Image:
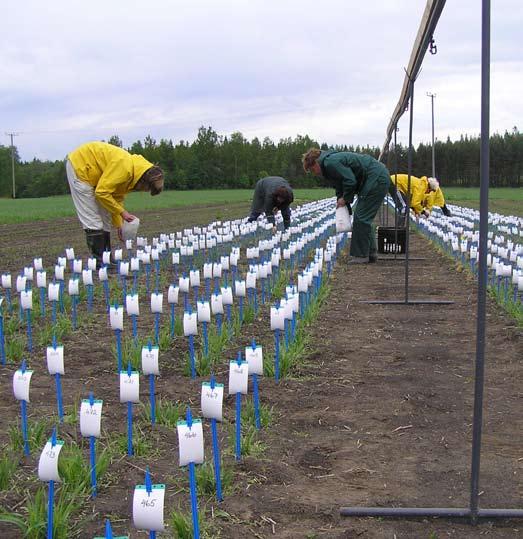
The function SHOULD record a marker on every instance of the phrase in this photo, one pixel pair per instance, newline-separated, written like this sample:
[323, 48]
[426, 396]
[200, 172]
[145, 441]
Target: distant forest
[213, 161]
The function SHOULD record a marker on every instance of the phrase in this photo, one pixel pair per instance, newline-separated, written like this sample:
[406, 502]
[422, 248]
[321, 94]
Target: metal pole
[409, 172]
[432, 96]
[482, 276]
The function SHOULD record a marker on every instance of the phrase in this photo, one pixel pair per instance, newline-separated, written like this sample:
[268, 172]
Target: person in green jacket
[271, 194]
[354, 174]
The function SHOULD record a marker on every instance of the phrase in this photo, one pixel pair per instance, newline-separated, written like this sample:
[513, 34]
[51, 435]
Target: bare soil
[379, 413]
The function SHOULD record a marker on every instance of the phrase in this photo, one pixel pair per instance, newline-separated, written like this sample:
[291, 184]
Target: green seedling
[37, 432]
[142, 445]
[8, 466]
[248, 417]
[180, 524]
[167, 412]
[251, 445]
[206, 483]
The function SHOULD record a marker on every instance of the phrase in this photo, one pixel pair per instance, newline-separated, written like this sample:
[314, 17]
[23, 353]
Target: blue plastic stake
[73, 303]
[118, 334]
[9, 302]
[58, 381]
[134, 320]
[124, 288]
[152, 392]
[149, 489]
[23, 405]
[219, 323]
[256, 397]
[191, 356]
[157, 328]
[192, 483]
[147, 277]
[277, 355]
[90, 298]
[239, 419]
[205, 340]
[173, 315]
[2, 339]
[286, 324]
[92, 454]
[50, 503]
[108, 530]
[129, 419]
[228, 309]
[29, 331]
[107, 298]
[61, 295]
[216, 452]
[208, 289]
[241, 309]
[42, 301]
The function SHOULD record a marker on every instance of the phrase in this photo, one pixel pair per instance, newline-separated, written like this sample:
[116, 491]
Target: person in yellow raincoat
[419, 189]
[436, 198]
[100, 175]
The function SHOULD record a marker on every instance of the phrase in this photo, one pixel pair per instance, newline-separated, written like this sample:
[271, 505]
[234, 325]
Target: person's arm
[253, 216]
[345, 180]
[268, 207]
[115, 173]
[286, 214]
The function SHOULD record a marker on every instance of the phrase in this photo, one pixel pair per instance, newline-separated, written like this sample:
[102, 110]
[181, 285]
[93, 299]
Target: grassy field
[37, 209]
[507, 201]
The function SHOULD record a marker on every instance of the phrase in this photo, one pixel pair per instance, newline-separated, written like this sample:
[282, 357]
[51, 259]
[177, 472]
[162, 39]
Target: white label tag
[116, 318]
[238, 377]
[150, 360]
[190, 325]
[55, 360]
[27, 299]
[90, 418]
[21, 382]
[156, 302]
[48, 462]
[190, 442]
[148, 508]
[212, 401]
[132, 305]
[254, 357]
[129, 387]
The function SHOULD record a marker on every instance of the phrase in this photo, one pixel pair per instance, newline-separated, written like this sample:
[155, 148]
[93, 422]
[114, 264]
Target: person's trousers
[363, 242]
[90, 213]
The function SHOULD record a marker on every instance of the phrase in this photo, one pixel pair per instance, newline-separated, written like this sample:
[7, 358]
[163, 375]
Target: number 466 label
[148, 508]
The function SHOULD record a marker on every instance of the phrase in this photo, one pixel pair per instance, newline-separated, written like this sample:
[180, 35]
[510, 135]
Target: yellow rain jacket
[418, 189]
[112, 171]
[434, 198]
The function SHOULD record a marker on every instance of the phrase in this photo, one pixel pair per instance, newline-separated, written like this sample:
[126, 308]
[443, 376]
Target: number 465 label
[148, 508]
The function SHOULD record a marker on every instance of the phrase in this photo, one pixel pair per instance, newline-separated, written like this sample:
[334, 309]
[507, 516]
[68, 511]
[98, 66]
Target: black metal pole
[409, 172]
[482, 276]
[432, 96]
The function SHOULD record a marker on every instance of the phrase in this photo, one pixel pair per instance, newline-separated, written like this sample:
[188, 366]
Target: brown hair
[151, 180]
[309, 158]
[284, 194]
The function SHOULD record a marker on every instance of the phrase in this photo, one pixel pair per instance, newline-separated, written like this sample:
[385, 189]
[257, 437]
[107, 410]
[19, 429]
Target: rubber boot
[95, 243]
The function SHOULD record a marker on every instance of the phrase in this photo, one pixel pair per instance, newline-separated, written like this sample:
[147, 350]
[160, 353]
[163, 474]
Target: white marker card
[124, 269]
[132, 304]
[129, 387]
[190, 324]
[77, 266]
[239, 288]
[53, 292]
[21, 382]
[91, 264]
[190, 442]
[62, 261]
[26, 299]
[116, 318]
[254, 357]
[156, 302]
[6, 280]
[69, 253]
[59, 273]
[73, 288]
[48, 462]
[106, 257]
[28, 273]
[87, 277]
[238, 377]
[212, 401]
[150, 360]
[37, 263]
[55, 359]
[41, 279]
[148, 508]
[91, 418]
[204, 311]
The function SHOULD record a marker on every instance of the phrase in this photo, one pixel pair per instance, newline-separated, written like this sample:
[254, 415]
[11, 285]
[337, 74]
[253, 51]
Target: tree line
[213, 161]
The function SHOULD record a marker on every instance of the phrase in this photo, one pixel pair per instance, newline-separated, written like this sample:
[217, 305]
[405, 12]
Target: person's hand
[120, 235]
[274, 229]
[425, 213]
[126, 216]
[340, 202]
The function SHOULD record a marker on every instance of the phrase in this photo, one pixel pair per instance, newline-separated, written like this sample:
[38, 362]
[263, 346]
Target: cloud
[80, 71]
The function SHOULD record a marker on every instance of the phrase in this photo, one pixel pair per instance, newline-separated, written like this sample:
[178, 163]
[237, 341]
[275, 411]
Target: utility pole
[12, 135]
[432, 96]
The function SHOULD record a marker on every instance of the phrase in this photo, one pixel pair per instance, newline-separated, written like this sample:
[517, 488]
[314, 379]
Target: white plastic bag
[343, 219]
[130, 229]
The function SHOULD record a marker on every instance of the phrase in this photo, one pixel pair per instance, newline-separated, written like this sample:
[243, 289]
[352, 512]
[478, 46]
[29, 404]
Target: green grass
[36, 209]
[505, 200]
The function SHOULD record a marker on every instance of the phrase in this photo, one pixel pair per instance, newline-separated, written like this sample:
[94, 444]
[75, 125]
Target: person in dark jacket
[271, 194]
[354, 174]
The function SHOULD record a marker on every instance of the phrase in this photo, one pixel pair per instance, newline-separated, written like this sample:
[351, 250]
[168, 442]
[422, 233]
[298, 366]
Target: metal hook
[433, 49]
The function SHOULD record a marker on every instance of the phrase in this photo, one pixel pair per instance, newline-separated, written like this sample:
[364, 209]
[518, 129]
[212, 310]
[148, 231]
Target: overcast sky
[73, 71]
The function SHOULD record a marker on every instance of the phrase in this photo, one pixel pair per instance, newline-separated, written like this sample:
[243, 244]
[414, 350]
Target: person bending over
[271, 194]
[354, 174]
[100, 175]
